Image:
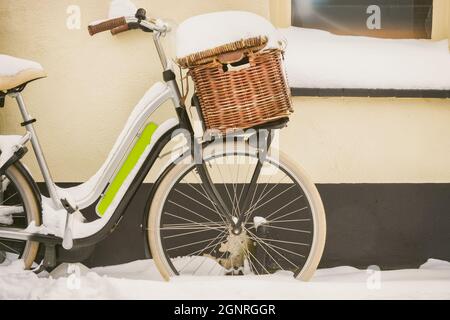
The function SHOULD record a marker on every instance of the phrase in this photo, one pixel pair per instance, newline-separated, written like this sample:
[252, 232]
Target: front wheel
[283, 228]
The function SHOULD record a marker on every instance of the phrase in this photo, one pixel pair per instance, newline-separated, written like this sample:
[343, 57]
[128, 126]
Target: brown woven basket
[239, 85]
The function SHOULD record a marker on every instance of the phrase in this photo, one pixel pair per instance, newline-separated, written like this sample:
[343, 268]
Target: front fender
[27, 175]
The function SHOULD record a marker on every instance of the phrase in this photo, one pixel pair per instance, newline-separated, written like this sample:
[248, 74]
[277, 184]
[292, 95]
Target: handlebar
[139, 21]
[122, 24]
[120, 29]
[107, 25]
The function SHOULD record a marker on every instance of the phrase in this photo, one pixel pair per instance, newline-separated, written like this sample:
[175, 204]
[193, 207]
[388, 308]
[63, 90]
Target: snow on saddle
[15, 72]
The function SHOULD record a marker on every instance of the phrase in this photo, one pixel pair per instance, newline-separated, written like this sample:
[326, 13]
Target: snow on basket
[236, 61]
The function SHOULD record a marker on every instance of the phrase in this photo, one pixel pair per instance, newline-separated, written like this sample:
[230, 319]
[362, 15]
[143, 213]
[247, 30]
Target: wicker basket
[240, 85]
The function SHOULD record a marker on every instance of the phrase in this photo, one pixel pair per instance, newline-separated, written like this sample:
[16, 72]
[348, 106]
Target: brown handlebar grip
[107, 25]
[120, 29]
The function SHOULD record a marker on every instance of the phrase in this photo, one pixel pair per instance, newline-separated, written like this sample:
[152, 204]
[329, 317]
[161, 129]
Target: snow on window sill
[319, 63]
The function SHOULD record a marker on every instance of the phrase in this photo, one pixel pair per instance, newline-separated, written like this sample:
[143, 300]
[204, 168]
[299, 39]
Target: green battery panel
[126, 168]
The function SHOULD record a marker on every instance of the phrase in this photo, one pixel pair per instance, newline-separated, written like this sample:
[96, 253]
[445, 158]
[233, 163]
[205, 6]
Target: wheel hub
[233, 251]
[237, 231]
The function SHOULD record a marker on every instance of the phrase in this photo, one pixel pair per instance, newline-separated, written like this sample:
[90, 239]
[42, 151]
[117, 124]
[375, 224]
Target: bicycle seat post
[28, 124]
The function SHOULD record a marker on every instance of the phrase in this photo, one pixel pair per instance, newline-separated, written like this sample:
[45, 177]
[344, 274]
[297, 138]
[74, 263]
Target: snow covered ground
[141, 280]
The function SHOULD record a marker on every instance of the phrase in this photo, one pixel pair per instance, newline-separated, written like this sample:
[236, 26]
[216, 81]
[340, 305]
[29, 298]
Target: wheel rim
[281, 240]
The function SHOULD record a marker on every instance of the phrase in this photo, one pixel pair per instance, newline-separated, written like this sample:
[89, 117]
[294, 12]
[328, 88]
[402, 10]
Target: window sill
[370, 93]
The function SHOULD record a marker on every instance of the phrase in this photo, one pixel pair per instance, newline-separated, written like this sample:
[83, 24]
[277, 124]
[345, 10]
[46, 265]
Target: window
[375, 18]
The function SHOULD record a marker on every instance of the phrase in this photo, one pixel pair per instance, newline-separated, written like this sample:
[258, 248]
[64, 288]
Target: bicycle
[215, 208]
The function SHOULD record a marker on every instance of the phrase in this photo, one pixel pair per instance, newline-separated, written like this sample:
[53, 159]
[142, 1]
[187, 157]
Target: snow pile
[141, 280]
[10, 66]
[319, 59]
[121, 8]
[258, 221]
[8, 146]
[54, 221]
[215, 29]
[7, 212]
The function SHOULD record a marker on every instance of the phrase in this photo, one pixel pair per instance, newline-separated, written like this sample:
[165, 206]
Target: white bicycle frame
[87, 193]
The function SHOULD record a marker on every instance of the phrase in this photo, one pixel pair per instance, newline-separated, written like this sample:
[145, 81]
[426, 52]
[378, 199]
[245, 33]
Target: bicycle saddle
[15, 72]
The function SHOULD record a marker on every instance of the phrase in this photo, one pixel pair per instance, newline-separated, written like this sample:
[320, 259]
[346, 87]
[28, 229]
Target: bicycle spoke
[221, 256]
[256, 259]
[203, 195]
[192, 226]
[261, 195]
[188, 233]
[279, 194]
[284, 206]
[205, 259]
[275, 246]
[260, 242]
[234, 186]
[289, 213]
[186, 224]
[272, 246]
[293, 220]
[212, 202]
[288, 229]
[10, 197]
[226, 189]
[217, 264]
[221, 235]
[212, 244]
[10, 248]
[185, 219]
[188, 244]
[252, 209]
[285, 241]
[243, 188]
[246, 257]
[250, 263]
[191, 211]
[196, 201]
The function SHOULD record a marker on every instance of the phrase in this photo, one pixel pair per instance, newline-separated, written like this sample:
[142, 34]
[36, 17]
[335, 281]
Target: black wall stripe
[374, 93]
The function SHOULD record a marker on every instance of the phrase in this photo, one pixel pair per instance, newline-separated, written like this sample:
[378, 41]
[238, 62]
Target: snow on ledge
[319, 59]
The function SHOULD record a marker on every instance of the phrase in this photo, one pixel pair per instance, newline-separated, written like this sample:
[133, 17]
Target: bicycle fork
[214, 194]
